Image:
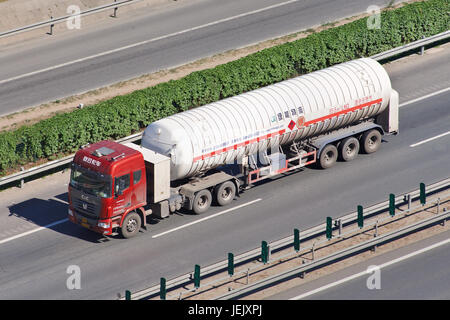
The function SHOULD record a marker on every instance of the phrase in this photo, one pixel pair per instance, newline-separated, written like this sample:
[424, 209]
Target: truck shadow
[51, 214]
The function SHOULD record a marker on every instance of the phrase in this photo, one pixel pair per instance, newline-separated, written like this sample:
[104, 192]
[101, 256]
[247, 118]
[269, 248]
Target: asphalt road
[418, 271]
[34, 265]
[78, 61]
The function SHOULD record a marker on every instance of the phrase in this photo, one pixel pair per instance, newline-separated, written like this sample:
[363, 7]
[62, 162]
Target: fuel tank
[221, 132]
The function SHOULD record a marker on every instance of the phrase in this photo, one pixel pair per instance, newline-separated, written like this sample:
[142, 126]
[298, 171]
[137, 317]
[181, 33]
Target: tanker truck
[208, 155]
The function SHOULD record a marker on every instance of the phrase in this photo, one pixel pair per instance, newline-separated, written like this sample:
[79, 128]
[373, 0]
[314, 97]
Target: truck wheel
[224, 193]
[131, 225]
[348, 149]
[371, 141]
[328, 156]
[202, 201]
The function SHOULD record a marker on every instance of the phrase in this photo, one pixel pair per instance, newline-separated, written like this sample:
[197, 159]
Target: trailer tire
[202, 201]
[131, 225]
[328, 156]
[224, 193]
[371, 141]
[348, 149]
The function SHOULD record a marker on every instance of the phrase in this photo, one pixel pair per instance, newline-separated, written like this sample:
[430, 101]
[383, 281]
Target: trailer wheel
[371, 141]
[348, 149]
[224, 193]
[328, 156]
[202, 201]
[131, 225]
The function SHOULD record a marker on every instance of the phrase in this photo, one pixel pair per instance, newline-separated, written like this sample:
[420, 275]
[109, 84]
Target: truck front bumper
[100, 226]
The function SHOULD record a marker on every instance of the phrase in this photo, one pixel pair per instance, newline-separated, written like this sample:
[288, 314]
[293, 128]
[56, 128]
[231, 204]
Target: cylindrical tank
[229, 129]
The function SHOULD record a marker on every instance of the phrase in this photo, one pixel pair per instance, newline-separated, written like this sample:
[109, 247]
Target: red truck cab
[107, 190]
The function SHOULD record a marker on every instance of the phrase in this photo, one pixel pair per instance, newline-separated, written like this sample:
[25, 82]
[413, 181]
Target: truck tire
[224, 193]
[348, 149]
[328, 156]
[202, 201]
[371, 141]
[131, 225]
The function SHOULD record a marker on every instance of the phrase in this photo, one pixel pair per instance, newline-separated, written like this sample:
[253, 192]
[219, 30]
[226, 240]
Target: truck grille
[85, 207]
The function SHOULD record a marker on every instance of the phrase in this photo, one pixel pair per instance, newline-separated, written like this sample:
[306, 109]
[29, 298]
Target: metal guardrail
[308, 234]
[412, 46]
[333, 257]
[115, 5]
[19, 177]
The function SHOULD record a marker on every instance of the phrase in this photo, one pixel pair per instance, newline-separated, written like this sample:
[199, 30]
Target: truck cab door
[122, 194]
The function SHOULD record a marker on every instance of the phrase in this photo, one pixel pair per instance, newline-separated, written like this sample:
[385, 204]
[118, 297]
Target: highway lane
[34, 266]
[170, 37]
[418, 271]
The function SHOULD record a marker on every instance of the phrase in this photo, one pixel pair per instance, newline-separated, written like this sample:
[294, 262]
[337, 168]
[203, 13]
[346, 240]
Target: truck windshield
[90, 182]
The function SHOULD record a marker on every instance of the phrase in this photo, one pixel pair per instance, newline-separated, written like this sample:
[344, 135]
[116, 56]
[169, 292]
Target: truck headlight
[103, 225]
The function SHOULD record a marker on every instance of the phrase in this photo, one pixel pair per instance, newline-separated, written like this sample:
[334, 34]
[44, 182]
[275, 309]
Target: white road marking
[155, 236]
[206, 218]
[430, 139]
[424, 97]
[336, 283]
[148, 41]
[33, 231]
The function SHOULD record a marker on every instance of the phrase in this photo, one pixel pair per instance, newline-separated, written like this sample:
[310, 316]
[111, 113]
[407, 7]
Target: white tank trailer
[214, 152]
[305, 112]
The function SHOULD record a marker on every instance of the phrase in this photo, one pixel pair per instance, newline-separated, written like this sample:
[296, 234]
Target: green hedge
[124, 115]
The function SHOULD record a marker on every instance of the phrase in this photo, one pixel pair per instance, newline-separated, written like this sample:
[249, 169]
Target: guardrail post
[115, 11]
[197, 276]
[296, 240]
[162, 290]
[339, 223]
[329, 230]
[51, 26]
[423, 197]
[360, 217]
[376, 229]
[230, 264]
[438, 205]
[127, 295]
[392, 204]
[264, 252]
[22, 181]
[422, 48]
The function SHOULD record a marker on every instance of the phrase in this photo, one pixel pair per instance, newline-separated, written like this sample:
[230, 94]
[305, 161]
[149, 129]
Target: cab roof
[104, 154]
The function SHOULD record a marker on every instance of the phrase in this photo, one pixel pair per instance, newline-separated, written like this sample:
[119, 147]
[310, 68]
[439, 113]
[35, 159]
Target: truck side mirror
[118, 190]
